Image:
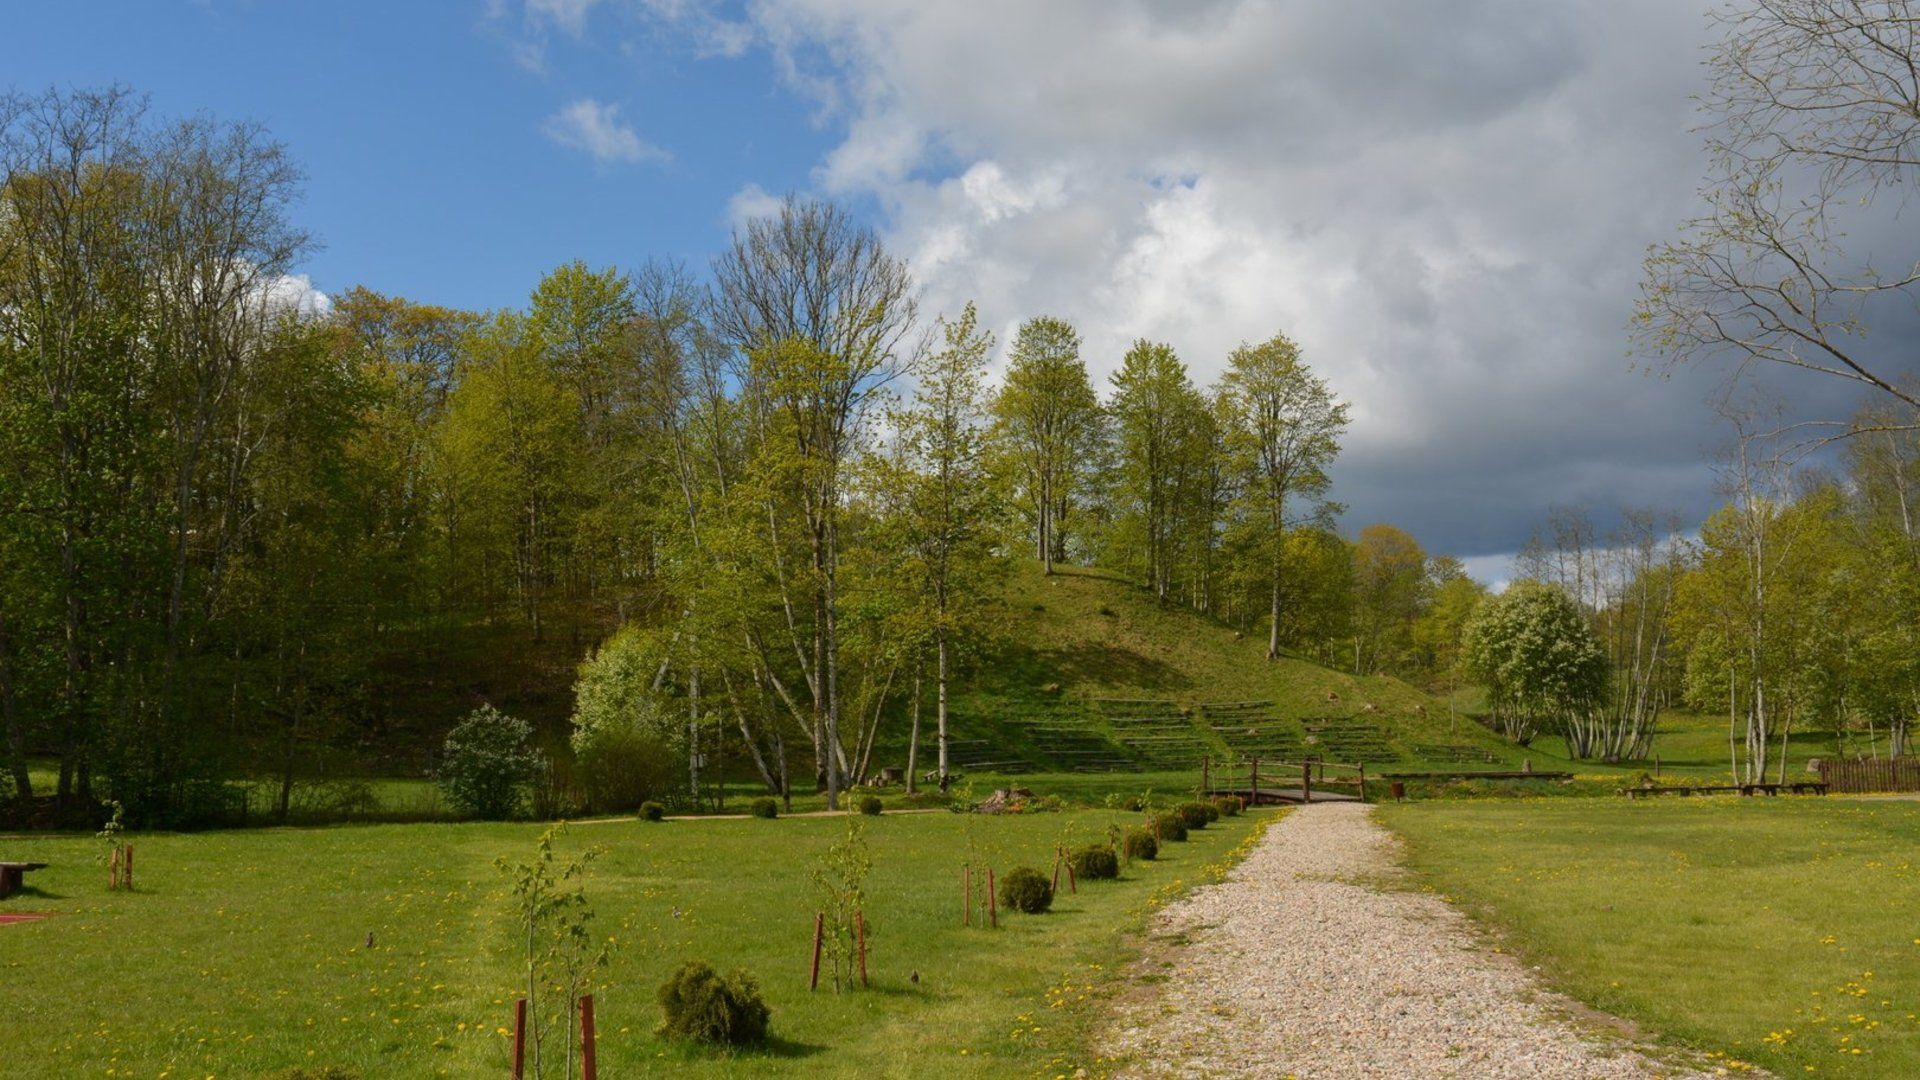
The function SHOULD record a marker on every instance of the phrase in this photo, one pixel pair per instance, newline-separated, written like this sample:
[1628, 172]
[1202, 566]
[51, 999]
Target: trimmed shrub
[765, 806]
[486, 765]
[1026, 889]
[652, 811]
[1095, 863]
[1140, 844]
[1171, 827]
[703, 1006]
[1197, 815]
[1229, 805]
[871, 805]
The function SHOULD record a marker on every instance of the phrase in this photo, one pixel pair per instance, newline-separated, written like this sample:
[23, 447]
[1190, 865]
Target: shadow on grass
[1107, 664]
[29, 892]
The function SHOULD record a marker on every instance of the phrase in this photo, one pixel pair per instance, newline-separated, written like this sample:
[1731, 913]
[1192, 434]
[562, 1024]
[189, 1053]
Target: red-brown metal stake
[589, 1070]
[819, 935]
[860, 921]
[519, 1038]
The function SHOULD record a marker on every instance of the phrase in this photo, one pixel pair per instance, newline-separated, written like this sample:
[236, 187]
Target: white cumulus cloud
[596, 128]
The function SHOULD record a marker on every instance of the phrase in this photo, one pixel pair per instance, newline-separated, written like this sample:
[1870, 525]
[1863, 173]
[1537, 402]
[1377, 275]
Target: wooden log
[819, 939]
[589, 1067]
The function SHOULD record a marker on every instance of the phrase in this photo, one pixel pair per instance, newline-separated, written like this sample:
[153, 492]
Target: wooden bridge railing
[1281, 778]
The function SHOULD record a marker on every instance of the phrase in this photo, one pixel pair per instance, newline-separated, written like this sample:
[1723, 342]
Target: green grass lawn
[244, 952]
[1780, 932]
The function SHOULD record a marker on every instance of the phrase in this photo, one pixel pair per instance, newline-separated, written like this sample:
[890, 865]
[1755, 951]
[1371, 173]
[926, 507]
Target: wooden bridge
[1276, 783]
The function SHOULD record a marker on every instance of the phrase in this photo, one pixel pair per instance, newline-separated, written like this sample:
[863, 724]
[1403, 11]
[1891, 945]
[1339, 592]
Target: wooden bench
[12, 872]
[1801, 787]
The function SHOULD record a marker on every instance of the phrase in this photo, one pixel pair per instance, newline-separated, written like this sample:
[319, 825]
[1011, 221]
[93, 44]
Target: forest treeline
[231, 516]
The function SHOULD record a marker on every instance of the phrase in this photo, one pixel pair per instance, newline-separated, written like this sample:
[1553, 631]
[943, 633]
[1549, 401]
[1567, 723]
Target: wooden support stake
[113, 870]
[1306, 781]
[1253, 793]
[966, 896]
[819, 938]
[1363, 781]
[1056, 869]
[519, 1038]
[589, 1069]
[993, 902]
[1206, 781]
[860, 921]
[126, 869]
[1072, 886]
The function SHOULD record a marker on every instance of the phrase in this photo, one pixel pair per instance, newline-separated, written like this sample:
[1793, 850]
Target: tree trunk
[940, 708]
[10, 719]
[913, 739]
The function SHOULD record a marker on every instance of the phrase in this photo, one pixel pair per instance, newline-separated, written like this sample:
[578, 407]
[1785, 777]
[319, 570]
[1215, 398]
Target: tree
[1163, 435]
[1047, 422]
[822, 312]
[1813, 120]
[1389, 593]
[942, 515]
[1283, 430]
[1542, 667]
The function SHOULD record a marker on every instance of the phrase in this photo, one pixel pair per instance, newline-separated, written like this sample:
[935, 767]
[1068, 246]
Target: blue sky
[423, 129]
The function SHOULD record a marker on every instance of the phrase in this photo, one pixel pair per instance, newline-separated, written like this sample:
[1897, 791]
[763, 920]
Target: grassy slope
[1767, 929]
[1084, 634]
[244, 952]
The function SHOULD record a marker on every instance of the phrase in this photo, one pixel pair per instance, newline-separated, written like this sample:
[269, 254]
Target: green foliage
[652, 811]
[1026, 889]
[320, 1072]
[764, 807]
[1140, 844]
[1535, 652]
[621, 769]
[1197, 815]
[486, 764]
[559, 952]
[841, 879]
[1096, 862]
[871, 805]
[702, 1006]
[1168, 827]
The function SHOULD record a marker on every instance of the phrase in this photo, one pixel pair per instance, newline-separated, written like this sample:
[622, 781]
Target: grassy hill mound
[1094, 675]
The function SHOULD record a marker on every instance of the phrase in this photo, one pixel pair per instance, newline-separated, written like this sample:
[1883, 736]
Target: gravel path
[1297, 966]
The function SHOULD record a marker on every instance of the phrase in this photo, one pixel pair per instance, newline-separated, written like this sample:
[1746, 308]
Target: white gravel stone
[1298, 964]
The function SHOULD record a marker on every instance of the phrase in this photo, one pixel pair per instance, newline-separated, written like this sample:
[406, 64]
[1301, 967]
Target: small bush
[1140, 844]
[652, 811]
[1229, 805]
[486, 765]
[1197, 815]
[1171, 827]
[620, 768]
[871, 805]
[703, 1006]
[765, 807]
[1026, 889]
[1095, 863]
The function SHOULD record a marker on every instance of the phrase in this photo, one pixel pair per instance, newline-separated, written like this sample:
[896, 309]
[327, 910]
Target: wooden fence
[1870, 774]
